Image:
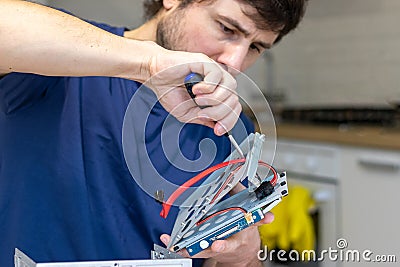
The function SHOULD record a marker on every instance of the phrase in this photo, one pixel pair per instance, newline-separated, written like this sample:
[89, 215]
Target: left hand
[239, 249]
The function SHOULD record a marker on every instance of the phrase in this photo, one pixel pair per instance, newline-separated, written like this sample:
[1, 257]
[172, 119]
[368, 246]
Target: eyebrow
[246, 33]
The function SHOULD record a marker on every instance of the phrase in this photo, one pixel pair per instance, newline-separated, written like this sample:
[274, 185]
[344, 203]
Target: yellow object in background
[293, 227]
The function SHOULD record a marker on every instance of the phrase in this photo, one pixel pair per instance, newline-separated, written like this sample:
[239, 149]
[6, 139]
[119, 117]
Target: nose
[233, 56]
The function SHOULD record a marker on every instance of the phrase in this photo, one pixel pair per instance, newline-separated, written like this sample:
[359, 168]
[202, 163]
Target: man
[66, 193]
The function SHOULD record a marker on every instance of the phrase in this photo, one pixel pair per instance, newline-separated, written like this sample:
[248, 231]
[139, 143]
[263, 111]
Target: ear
[170, 4]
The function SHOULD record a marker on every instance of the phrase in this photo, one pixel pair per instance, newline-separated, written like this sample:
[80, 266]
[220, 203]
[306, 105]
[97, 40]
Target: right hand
[104, 54]
[167, 71]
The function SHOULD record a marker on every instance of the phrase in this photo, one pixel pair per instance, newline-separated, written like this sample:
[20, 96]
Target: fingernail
[219, 130]
[164, 240]
[269, 217]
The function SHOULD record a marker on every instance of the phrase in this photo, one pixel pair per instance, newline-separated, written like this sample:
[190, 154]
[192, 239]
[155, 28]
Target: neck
[146, 32]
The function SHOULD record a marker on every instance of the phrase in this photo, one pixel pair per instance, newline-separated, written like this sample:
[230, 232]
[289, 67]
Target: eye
[226, 29]
[255, 48]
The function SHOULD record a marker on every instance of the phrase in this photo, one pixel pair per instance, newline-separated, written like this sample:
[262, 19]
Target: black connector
[264, 190]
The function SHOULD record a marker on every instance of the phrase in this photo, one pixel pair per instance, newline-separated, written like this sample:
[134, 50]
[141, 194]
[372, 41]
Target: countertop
[361, 136]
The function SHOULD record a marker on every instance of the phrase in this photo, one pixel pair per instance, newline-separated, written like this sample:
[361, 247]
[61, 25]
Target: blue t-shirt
[66, 192]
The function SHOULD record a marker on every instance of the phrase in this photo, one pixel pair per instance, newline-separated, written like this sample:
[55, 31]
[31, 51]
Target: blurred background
[334, 88]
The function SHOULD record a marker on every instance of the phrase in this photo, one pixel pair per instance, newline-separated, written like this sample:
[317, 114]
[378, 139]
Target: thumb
[268, 218]
[165, 239]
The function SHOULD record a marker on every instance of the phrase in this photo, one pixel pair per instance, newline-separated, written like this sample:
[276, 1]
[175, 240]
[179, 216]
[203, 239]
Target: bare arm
[41, 40]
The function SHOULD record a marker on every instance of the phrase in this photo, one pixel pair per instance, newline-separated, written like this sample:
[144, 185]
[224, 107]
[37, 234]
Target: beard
[170, 33]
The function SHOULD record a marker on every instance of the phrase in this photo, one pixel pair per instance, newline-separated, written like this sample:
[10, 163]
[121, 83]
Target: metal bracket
[22, 260]
[160, 253]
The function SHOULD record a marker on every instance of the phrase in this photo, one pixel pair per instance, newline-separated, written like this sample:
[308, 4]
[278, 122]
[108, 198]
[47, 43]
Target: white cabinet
[370, 200]
[315, 167]
[364, 189]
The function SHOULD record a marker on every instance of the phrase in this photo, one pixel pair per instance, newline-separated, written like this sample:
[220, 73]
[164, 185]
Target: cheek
[203, 43]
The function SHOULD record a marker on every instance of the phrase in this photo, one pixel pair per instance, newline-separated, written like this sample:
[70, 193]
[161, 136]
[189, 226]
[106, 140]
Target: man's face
[220, 29]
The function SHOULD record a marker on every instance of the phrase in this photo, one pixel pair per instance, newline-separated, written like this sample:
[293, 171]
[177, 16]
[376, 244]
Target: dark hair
[280, 16]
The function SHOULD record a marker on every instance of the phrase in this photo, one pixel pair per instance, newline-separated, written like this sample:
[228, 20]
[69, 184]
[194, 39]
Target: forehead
[234, 7]
[243, 14]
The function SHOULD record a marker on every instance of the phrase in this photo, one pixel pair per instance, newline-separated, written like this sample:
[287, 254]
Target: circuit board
[239, 212]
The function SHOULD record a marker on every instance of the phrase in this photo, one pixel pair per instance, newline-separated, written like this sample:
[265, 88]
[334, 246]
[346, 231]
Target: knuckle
[234, 83]
[239, 109]
[231, 85]
[236, 98]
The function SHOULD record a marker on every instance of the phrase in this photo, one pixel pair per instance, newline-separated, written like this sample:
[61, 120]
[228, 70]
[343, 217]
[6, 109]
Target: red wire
[275, 177]
[219, 212]
[166, 206]
[192, 181]
[273, 182]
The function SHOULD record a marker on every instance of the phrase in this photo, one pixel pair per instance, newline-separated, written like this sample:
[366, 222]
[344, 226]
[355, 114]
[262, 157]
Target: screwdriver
[193, 79]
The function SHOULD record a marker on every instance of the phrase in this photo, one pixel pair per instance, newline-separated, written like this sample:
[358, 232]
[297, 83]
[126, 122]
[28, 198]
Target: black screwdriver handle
[191, 80]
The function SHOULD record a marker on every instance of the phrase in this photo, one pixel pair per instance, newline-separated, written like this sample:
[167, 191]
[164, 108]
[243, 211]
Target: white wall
[43, 2]
[344, 52]
[118, 13]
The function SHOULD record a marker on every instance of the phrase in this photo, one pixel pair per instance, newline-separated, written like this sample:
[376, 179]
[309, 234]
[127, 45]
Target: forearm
[41, 40]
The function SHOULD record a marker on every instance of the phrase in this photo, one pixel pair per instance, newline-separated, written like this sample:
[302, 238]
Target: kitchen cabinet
[314, 167]
[366, 182]
[370, 199]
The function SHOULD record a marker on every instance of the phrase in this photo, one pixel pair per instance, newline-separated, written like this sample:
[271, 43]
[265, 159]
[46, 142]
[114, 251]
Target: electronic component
[203, 218]
[229, 217]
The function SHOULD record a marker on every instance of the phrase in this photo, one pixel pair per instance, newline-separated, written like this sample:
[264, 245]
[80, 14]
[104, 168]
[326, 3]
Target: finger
[209, 84]
[176, 100]
[225, 246]
[204, 65]
[187, 111]
[212, 94]
[226, 116]
[221, 83]
[212, 74]
[206, 122]
[219, 98]
[191, 116]
[268, 218]
[226, 124]
[165, 239]
[219, 246]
